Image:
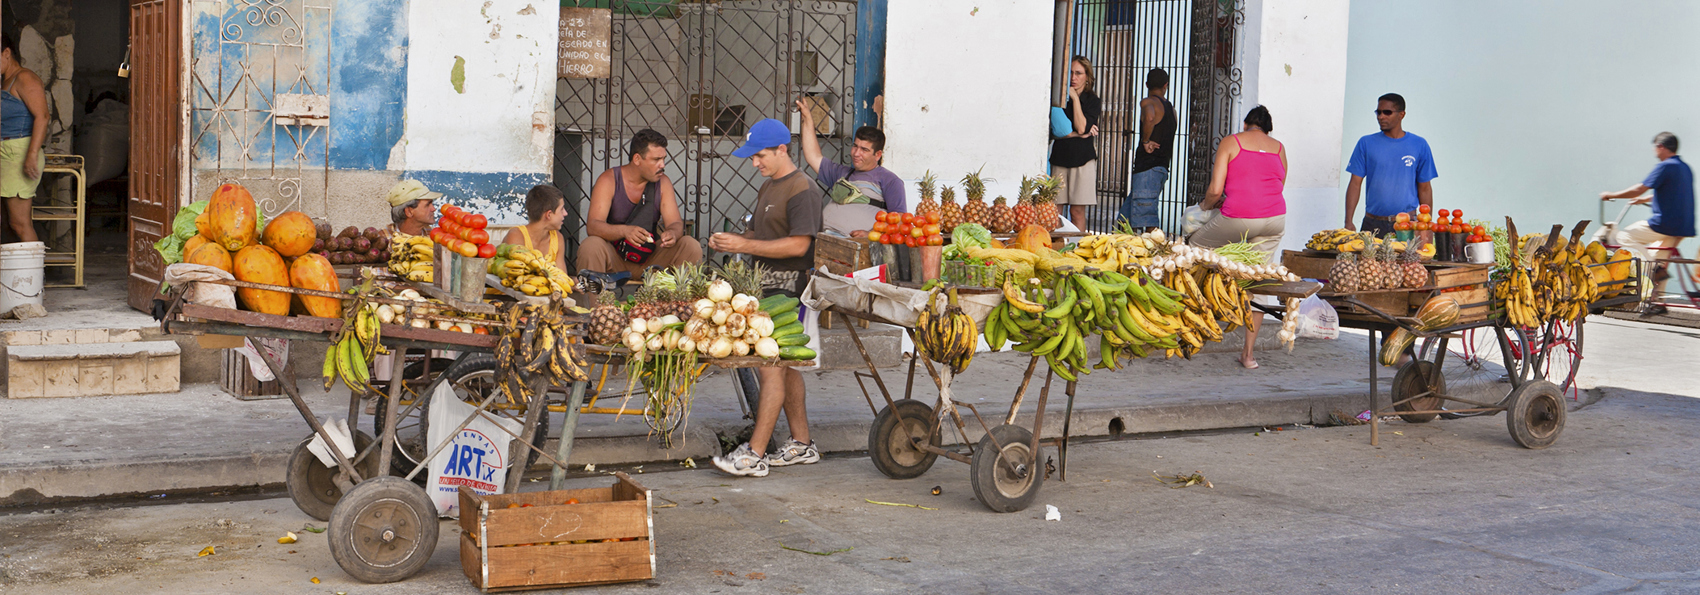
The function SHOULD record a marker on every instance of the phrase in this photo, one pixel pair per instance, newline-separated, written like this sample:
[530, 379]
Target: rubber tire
[312, 485]
[885, 442]
[364, 504]
[1536, 414]
[1411, 379]
[479, 362]
[983, 469]
[401, 461]
[751, 385]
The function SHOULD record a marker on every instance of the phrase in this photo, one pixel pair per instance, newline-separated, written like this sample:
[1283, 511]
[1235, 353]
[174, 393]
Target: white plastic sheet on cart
[477, 457]
[900, 305]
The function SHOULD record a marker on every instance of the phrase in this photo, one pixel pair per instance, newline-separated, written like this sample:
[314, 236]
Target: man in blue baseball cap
[781, 238]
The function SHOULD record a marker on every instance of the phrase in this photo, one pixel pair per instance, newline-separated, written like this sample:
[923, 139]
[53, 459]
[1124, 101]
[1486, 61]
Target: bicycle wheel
[474, 379]
[410, 446]
[1555, 351]
[1477, 368]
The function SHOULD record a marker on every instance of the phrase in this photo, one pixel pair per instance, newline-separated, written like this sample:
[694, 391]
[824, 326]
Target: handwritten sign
[584, 43]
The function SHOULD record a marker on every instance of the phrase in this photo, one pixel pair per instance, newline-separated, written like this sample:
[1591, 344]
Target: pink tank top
[1253, 187]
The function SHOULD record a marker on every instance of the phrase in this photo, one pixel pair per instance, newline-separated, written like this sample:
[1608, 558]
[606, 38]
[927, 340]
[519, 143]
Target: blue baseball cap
[766, 134]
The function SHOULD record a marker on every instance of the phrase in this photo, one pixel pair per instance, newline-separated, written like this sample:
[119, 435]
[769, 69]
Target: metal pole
[1062, 452]
[1374, 387]
[564, 449]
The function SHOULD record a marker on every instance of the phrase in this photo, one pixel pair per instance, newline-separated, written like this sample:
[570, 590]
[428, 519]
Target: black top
[1075, 152]
[1164, 133]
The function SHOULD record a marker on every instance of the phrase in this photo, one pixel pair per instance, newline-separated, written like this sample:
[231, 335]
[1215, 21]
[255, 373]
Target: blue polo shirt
[1391, 168]
[1673, 198]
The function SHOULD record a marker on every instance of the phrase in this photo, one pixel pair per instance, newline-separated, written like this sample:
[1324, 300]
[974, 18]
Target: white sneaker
[793, 453]
[742, 461]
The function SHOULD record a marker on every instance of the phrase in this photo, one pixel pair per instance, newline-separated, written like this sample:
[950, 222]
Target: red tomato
[917, 232]
[933, 217]
[1425, 217]
[879, 224]
[912, 241]
[467, 249]
[1443, 214]
[478, 330]
[1401, 225]
[486, 250]
[1402, 217]
[880, 217]
[1457, 213]
[478, 236]
[1481, 231]
[1424, 226]
[447, 209]
[908, 218]
[436, 235]
[932, 229]
[477, 222]
[1422, 208]
[574, 501]
[1456, 220]
[937, 240]
[449, 226]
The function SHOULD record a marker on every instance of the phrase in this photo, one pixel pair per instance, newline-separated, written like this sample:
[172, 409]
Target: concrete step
[92, 369]
[80, 336]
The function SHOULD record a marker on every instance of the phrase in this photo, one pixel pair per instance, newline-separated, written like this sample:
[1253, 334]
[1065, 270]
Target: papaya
[259, 264]
[194, 242]
[311, 271]
[210, 254]
[230, 218]
[1031, 238]
[290, 234]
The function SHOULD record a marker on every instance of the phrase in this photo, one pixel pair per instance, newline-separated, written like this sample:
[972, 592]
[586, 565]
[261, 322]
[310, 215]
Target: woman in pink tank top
[1246, 184]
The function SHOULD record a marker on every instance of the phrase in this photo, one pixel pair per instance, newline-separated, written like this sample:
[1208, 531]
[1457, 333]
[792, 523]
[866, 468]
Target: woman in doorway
[23, 127]
[1073, 158]
[1246, 184]
[545, 210]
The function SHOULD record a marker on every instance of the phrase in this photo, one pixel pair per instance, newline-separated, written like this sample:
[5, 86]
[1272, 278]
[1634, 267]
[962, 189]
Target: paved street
[1449, 506]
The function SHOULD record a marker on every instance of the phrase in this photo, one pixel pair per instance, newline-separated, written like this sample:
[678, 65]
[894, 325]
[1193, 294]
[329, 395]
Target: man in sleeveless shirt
[634, 220]
[781, 238]
[1151, 158]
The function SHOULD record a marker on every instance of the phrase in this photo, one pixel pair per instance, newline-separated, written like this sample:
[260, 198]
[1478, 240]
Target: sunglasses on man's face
[1383, 112]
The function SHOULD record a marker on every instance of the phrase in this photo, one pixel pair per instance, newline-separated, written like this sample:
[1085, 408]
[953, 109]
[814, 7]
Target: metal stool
[73, 165]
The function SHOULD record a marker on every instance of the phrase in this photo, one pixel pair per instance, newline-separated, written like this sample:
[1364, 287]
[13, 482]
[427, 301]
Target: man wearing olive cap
[410, 207]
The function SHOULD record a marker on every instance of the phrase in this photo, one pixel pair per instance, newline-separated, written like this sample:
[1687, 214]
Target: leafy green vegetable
[182, 228]
[971, 235]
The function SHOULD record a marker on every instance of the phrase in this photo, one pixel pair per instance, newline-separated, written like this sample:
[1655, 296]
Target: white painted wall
[503, 120]
[1295, 65]
[1532, 109]
[965, 86]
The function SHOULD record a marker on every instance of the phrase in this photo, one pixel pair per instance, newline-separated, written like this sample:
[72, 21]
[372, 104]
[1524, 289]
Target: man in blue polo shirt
[1672, 183]
[1398, 165]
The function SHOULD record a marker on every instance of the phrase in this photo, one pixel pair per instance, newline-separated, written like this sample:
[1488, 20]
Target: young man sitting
[634, 220]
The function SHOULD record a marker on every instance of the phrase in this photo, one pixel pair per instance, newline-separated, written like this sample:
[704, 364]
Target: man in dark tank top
[1157, 122]
[633, 222]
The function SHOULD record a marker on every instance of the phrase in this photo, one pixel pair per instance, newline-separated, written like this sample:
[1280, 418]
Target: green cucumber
[774, 305]
[784, 318]
[793, 340]
[795, 328]
[796, 353]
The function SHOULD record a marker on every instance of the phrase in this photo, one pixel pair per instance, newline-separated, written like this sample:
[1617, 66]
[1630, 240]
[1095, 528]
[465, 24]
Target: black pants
[1380, 227]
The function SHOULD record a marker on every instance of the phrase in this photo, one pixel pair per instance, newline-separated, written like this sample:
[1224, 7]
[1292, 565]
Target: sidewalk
[202, 439]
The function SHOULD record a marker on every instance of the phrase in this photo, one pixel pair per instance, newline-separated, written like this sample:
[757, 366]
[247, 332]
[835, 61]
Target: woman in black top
[1074, 160]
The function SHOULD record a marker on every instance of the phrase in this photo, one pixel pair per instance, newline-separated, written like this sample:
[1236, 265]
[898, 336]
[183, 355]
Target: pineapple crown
[1048, 187]
[1027, 186]
[744, 277]
[975, 185]
[948, 194]
[1000, 201]
[692, 281]
[928, 182]
[607, 298]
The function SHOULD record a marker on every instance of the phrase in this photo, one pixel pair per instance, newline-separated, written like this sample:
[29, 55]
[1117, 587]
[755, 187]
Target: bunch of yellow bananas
[411, 256]
[529, 271]
[1557, 284]
[1115, 251]
[538, 339]
[349, 357]
[1332, 239]
[949, 337]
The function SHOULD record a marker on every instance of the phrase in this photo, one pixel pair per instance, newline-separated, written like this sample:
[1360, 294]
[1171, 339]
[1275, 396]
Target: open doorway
[80, 55]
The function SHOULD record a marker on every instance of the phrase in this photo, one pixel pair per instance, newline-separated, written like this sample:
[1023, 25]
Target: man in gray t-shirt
[865, 158]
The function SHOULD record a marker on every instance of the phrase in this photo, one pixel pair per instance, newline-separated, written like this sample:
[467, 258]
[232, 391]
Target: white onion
[669, 320]
[762, 323]
[653, 325]
[703, 345]
[639, 325]
[704, 308]
[697, 328]
[720, 291]
[421, 323]
[740, 348]
[633, 340]
[686, 345]
[443, 325]
[670, 339]
[722, 310]
[744, 304]
[751, 336]
[386, 314]
[767, 347]
[655, 343]
[735, 325]
[722, 347]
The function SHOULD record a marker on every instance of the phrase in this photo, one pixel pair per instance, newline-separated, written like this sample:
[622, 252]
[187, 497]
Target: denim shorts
[1149, 183]
[1140, 207]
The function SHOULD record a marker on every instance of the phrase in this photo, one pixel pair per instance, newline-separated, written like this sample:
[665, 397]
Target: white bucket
[21, 274]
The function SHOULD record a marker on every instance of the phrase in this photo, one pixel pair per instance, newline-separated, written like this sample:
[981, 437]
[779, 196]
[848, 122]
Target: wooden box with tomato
[562, 538]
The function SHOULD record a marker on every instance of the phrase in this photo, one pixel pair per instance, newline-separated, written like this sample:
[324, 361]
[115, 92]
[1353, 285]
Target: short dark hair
[1666, 140]
[6, 42]
[643, 140]
[541, 199]
[1395, 99]
[873, 135]
[1259, 117]
[1156, 78]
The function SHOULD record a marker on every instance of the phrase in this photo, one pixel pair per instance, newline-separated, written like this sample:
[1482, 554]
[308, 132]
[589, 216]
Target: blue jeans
[1140, 207]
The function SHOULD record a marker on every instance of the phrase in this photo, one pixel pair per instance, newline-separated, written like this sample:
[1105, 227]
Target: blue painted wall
[499, 196]
[368, 82]
[870, 59]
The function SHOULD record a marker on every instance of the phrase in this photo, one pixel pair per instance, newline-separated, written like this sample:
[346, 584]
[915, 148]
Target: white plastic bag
[1317, 319]
[344, 439]
[1193, 219]
[477, 457]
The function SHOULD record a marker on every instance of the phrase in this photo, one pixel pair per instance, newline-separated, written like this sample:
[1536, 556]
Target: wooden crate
[1308, 265]
[608, 537]
[841, 256]
[236, 378]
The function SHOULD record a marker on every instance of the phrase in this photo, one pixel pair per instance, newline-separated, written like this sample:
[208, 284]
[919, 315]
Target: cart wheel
[384, 531]
[1002, 488]
[1554, 352]
[888, 445]
[312, 485]
[1535, 415]
[1480, 368]
[1412, 379]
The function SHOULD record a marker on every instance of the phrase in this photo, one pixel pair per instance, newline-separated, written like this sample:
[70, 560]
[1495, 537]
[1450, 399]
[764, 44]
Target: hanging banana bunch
[950, 337]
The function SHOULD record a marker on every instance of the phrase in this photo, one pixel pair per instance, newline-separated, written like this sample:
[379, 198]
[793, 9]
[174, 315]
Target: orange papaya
[290, 234]
[210, 254]
[311, 271]
[231, 218]
[259, 264]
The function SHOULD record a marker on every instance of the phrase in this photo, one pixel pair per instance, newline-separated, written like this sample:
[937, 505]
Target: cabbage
[971, 235]
[182, 228]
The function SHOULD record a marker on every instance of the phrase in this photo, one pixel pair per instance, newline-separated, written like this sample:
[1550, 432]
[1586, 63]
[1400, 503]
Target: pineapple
[650, 302]
[690, 284]
[1343, 277]
[976, 211]
[1002, 218]
[1023, 211]
[1411, 267]
[744, 277]
[1045, 203]
[1374, 271]
[950, 214]
[607, 320]
[928, 205]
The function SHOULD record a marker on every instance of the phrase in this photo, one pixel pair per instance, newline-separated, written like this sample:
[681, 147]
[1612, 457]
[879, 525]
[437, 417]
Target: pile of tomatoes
[907, 229]
[1446, 221]
[463, 233]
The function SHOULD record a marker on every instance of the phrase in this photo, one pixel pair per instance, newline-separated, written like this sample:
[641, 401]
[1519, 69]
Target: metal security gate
[701, 74]
[1194, 41]
[260, 105]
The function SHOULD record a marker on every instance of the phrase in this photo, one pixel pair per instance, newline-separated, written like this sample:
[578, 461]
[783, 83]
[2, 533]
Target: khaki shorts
[1079, 184]
[1263, 234]
[1638, 238]
[13, 182]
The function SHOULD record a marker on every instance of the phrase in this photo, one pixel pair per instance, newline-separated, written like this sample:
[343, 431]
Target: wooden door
[156, 125]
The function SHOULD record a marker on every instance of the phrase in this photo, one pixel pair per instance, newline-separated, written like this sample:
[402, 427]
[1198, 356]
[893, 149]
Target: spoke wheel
[473, 380]
[1415, 378]
[1006, 475]
[1478, 369]
[410, 436]
[312, 485]
[1555, 352]
[889, 439]
[384, 530]
[1536, 414]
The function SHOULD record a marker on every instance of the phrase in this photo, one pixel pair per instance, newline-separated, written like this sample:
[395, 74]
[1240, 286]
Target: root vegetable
[767, 347]
[744, 304]
[735, 325]
[640, 325]
[720, 291]
[722, 346]
[722, 311]
[686, 345]
[704, 308]
[740, 348]
[762, 323]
